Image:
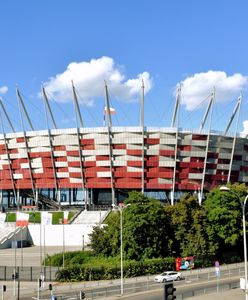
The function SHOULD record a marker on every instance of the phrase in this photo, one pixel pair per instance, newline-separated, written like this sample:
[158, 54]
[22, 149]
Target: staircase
[9, 233]
[44, 201]
[90, 217]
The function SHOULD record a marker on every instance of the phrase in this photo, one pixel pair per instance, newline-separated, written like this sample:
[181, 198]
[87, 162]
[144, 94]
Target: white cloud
[198, 86]
[245, 128]
[88, 78]
[3, 90]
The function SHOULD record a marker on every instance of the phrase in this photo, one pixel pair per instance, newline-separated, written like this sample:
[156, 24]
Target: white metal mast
[207, 112]
[76, 107]
[24, 110]
[6, 115]
[47, 107]
[79, 118]
[21, 105]
[176, 108]
[9, 160]
[109, 125]
[210, 106]
[143, 136]
[238, 107]
[175, 117]
[233, 114]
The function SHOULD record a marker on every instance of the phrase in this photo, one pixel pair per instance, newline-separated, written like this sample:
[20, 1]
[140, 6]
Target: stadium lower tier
[74, 197]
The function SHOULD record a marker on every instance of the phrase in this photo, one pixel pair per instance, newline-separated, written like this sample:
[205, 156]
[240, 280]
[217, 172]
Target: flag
[66, 213]
[46, 218]
[111, 110]
[22, 219]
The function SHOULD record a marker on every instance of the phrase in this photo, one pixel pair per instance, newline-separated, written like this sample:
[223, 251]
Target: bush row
[84, 266]
[106, 272]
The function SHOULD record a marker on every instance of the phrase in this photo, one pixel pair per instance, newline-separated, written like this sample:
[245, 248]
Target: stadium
[98, 166]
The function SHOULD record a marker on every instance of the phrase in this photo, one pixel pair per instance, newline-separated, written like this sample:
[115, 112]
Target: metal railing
[28, 273]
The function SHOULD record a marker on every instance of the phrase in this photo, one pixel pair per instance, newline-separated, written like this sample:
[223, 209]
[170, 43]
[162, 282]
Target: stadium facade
[98, 166]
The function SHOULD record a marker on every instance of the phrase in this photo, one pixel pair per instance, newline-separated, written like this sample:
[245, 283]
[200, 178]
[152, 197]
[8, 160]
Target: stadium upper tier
[125, 158]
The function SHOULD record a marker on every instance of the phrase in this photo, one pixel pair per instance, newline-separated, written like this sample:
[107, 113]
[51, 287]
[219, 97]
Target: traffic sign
[217, 271]
[217, 264]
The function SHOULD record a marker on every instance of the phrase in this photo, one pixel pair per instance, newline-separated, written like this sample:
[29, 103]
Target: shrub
[109, 269]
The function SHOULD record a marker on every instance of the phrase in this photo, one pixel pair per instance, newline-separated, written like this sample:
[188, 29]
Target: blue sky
[51, 42]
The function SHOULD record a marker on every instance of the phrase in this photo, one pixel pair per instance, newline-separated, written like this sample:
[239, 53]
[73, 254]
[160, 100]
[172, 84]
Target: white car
[168, 276]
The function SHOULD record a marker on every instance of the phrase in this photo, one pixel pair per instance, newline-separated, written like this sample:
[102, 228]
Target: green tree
[145, 230]
[187, 218]
[224, 220]
[105, 238]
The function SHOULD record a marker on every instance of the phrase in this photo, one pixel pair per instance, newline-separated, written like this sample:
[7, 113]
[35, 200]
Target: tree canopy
[153, 230]
[188, 222]
[145, 230]
[224, 219]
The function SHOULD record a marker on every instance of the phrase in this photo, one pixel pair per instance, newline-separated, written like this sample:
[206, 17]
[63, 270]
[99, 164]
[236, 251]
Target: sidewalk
[235, 294]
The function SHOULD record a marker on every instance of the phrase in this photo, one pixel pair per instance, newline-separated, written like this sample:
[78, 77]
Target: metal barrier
[28, 273]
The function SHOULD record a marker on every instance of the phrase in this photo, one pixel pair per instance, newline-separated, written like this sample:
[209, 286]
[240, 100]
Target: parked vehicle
[167, 276]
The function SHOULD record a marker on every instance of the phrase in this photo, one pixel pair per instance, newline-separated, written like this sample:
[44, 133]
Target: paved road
[236, 294]
[227, 295]
[31, 257]
[29, 289]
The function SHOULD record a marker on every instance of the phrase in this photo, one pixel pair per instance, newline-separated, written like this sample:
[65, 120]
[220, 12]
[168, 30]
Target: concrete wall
[59, 235]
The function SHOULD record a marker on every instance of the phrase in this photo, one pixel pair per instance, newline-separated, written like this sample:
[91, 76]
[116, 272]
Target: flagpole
[63, 244]
[44, 244]
[22, 248]
[40, 243]
[15, 265]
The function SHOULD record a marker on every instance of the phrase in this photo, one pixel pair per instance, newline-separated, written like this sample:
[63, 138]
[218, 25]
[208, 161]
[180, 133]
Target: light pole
[243, 204]
[83, 242]
[121, 250]
[121, 238]
[63, 243]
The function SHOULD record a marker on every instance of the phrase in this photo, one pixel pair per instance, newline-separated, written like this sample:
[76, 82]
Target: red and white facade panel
[64, 159]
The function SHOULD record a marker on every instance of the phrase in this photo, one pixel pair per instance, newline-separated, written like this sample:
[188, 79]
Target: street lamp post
[243, 204]
[63, 229]
[83, 242]
[121, 240]
[121, 250]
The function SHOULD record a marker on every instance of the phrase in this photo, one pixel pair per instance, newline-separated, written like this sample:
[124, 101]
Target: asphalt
[235, 294]
[31, 257]
[28, 289]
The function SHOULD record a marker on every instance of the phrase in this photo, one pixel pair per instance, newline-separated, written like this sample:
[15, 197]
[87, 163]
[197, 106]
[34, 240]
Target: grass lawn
[35, 217]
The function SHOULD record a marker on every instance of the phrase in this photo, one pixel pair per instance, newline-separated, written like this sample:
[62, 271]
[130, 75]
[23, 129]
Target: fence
[28, 273]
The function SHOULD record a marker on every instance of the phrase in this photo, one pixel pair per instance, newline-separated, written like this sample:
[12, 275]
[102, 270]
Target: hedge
[106, 272]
